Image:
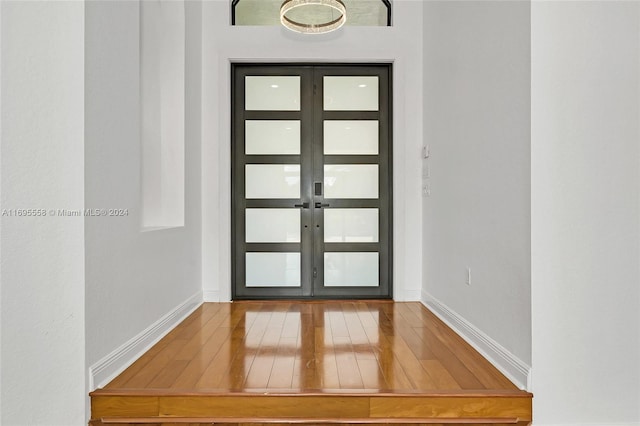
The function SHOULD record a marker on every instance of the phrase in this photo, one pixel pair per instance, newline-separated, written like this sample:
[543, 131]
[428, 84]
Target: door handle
[303, 205]
[321, 205]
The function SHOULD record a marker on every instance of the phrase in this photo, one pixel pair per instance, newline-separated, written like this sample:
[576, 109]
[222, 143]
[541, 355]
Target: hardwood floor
[303, 362]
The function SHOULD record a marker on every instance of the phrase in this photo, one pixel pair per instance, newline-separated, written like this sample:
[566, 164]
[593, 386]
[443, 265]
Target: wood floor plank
[260, 370]
[155, 366]
[338, 324]
[260, 406]
[358, 336]
[384, 322]
[370, 373]
[279, 315]
[455, 407]
[198, 339]
[283, 364]
[197, 366]
[448, 359]
[322, 345]
[140, 363]
[486, 373]
[408, 315]
[136, 368]
[195, 324]
[479, 366]
[238, 315]
[246, 348]
[307, 356]
[392, 371]
[417, 375]
[216, 373]
[327, 366]
[368, 315]
[440, 375]
[168, 375]
[348, 372]
[405, 330]
[291, 326]
[366, 362]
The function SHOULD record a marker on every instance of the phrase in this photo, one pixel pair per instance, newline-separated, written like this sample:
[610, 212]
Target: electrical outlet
[468, 276]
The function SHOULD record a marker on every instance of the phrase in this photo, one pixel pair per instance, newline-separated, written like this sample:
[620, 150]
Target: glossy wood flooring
[347, 362]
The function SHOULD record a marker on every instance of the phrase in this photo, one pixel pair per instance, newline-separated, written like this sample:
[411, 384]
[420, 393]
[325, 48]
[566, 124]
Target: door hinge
[315, 87]
[315, 272]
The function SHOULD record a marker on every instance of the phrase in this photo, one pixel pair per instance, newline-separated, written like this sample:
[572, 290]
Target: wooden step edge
[290, 420]
[264, 393]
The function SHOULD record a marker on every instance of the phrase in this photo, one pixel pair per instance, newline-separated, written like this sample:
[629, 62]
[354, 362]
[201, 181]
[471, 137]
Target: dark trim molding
[234, 3]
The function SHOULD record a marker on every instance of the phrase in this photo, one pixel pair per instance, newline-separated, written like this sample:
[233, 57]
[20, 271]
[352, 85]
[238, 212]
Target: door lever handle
[321, 205]
[303, 205]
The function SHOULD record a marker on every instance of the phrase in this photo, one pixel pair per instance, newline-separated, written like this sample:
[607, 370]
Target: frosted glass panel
[351, 225]
[272, 269]
[351, 93]
[272, 137]
[272, 93]
[351, 137]
[272, 181]
[351, 181]
[351, 269]
[272, 225]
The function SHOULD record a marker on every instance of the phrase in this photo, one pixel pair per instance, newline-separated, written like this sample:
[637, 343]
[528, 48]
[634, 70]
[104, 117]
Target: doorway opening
[311, 181]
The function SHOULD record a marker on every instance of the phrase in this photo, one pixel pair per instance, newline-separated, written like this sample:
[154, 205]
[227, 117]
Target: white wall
[477, 124]
[0, 219]
[133, 278]
[162, 84]
[223, 44]
[586, 212]
[42, 257]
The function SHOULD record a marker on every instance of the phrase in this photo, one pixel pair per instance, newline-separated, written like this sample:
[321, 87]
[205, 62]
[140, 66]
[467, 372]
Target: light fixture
[305, 28]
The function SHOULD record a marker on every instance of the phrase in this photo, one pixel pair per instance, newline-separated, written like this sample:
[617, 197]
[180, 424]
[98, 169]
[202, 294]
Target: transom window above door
[376, 13]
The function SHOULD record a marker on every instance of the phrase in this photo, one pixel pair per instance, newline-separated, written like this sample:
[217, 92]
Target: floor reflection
[310, 346]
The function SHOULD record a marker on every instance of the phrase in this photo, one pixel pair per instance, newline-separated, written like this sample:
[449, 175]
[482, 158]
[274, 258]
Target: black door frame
[311, 158]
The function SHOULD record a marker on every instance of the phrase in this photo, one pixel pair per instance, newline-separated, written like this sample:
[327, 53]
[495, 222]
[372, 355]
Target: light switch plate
[425, 151]
[426, 170]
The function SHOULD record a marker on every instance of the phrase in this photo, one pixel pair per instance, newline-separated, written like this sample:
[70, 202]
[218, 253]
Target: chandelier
[308, 28]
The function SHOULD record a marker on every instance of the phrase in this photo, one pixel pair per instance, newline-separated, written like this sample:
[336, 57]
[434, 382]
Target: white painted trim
[211, 296]
[1, 227]
[410, 296]
[510, 365]
[586, 424]
[105, 370]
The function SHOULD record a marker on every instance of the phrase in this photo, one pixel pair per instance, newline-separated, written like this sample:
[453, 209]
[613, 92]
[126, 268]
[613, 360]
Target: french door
[311, 181]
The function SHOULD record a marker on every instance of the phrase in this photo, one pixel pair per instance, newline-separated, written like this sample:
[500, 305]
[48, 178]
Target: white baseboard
[105, 370]
[585, 424]
[409, 296]
[511, 366]
[211, 296]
